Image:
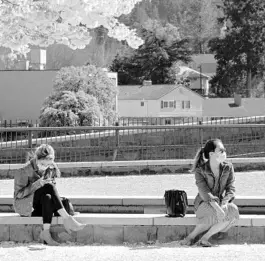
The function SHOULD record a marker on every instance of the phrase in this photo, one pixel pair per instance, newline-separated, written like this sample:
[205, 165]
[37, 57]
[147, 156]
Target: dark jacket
[26, 182]
[205, 181]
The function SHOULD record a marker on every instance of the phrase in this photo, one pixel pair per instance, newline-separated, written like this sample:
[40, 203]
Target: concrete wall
[22, 93]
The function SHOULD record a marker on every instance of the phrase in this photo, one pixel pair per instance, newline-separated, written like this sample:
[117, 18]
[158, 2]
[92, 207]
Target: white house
[199, 81]
[167, 100]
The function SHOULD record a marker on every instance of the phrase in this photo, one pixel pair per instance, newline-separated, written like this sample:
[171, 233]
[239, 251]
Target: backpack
[176, 203]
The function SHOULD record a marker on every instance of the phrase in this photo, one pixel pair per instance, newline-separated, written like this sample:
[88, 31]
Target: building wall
[152, 108]
[22, 93]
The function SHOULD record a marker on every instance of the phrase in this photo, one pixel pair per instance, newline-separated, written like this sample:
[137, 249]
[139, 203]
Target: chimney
[237, 99]
[38, 59]
[147, 83]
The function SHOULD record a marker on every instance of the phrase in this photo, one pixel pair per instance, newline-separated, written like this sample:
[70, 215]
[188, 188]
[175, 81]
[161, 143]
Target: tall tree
[240, 51]
[80, 95]
[153, 60]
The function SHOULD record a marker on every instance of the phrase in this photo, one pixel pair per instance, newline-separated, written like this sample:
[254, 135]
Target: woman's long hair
[44, 151]
[41, 152]
[202, 154]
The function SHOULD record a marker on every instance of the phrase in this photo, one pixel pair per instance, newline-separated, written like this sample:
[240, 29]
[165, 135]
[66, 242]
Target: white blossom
[44, 22]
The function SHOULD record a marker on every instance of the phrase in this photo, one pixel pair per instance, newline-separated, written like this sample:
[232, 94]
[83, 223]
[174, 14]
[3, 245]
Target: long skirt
[206, 214]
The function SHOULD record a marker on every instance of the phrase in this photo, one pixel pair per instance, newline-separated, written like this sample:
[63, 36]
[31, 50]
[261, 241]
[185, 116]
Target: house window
[142, 103]
[185, 104]
[171, 104]
[168, 122]
[168, 104]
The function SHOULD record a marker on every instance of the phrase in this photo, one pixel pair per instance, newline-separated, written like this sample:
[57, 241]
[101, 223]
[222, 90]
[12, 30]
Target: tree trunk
[248, 92]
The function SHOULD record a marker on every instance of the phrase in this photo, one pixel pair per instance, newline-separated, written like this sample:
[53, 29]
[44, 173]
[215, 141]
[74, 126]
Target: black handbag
[68, 206]
[176, 203]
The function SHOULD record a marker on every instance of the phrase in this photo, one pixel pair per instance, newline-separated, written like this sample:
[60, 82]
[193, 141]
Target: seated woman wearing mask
[216, 184]
[34, 190]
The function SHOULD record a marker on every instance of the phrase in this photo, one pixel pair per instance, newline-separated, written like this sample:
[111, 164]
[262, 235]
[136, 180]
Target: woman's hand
[45, 181]
[224, 207]
[213, 198]
[220, 212]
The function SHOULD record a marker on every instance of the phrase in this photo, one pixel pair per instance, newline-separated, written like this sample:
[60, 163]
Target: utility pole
[200, 67]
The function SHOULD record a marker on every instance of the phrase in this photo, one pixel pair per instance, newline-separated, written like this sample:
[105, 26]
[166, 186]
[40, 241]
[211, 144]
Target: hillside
[196, 20]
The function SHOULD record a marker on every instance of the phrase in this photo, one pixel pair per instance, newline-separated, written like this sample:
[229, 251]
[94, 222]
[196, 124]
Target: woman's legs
[200, 228]
[56, 206]
[222, 226]
[43, 206]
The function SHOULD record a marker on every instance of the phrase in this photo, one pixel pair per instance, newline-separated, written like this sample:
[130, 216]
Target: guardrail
[131, 142]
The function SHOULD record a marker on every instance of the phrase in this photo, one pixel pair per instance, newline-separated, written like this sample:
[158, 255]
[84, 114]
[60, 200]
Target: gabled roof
[203, 58]
[226, 107]
[150, 92]
[139, 92]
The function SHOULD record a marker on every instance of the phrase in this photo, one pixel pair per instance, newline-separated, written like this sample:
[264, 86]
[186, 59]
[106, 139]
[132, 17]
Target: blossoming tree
[44, 22]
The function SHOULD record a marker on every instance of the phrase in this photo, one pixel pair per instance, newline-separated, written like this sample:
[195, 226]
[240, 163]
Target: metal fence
[145, 121]
[131, 142]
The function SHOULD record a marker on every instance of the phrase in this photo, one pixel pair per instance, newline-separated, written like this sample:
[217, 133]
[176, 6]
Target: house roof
[149, 92]
[225, 107]
[190, 73]
[203, 58]
[207, 62]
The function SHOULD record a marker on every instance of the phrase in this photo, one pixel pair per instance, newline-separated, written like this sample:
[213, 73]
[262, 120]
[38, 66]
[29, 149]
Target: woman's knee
[47, 197]
[49, 188]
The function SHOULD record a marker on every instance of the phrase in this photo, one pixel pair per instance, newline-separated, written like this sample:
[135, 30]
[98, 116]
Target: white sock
[46, 226]
[63, 213]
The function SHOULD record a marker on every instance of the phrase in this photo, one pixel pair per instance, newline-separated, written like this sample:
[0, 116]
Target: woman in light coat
[215, 179]
[35, 193]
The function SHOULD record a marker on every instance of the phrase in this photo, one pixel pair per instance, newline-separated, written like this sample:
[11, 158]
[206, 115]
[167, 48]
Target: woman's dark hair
[203, 153]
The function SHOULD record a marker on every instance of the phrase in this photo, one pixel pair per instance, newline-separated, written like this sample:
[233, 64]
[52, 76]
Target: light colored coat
[205, 181]
[26, 182]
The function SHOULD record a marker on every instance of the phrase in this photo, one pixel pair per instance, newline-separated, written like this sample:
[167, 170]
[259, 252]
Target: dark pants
[46, 202]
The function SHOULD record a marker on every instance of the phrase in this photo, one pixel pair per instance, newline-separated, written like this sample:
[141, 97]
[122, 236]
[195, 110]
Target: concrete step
[120, 228]
[139, 204]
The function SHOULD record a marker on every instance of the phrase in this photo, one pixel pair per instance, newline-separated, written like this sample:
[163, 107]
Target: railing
[144, 121]
[131, 142]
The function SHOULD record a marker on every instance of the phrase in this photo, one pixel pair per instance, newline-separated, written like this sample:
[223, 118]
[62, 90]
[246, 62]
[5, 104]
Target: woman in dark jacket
[215, 180]
[35, 193]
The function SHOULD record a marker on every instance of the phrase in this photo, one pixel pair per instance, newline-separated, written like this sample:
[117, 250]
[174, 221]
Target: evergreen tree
[240, 52]
[153, 60]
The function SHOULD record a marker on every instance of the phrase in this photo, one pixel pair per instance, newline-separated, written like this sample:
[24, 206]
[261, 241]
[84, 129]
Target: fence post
[30, 139]
[201, 134]
[117, 138]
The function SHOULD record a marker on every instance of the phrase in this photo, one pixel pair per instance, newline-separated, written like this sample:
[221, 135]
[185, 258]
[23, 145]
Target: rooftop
[148, 92]
[226, 107]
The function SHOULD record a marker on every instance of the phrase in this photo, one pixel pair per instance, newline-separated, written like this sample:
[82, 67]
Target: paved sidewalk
[247, 184]
[10, 251]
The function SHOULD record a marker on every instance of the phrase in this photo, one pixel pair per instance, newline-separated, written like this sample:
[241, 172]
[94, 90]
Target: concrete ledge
[139, 204]
[139, 200]
[115, 229]
[128, 219]
[135, 163]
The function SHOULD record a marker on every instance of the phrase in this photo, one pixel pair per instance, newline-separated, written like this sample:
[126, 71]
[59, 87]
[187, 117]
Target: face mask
[221, 157]
[44, 164]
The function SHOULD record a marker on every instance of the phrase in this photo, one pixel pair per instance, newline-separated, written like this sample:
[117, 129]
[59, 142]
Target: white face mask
[44, 164]
[221, 156]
